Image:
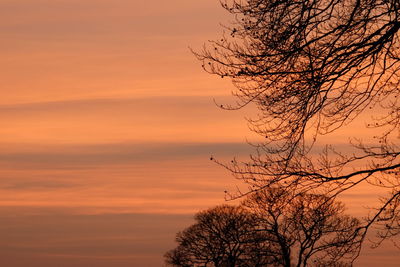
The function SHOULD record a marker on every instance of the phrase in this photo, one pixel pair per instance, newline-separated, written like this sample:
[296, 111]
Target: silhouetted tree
[306, 229]
[311, 68]
[272, 228]
[222, 236]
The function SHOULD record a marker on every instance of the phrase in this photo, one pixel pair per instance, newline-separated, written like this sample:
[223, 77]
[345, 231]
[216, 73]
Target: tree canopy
[270, 228]
[221, 236]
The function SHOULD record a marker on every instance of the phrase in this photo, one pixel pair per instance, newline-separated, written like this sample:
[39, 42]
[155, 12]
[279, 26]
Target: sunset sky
[107, 126]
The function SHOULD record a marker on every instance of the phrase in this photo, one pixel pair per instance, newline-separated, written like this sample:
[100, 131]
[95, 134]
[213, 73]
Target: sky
[107, 126]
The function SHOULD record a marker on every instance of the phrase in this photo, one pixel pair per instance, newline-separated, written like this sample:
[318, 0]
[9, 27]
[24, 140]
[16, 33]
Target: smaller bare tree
[307, 229]
[222, 236]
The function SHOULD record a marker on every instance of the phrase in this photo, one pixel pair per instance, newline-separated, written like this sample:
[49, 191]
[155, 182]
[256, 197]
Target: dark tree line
[270, 228]
[312, 67]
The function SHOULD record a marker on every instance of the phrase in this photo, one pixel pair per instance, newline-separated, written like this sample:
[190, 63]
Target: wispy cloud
[53, 156]
[151, 119]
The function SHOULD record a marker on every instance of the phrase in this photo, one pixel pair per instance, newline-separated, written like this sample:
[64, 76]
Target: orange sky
[107, 126]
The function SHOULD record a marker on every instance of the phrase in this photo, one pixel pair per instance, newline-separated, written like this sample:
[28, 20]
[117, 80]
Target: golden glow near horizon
[107, 126]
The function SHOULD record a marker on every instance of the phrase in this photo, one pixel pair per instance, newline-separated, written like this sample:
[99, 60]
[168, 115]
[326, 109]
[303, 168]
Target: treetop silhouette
[271, 228]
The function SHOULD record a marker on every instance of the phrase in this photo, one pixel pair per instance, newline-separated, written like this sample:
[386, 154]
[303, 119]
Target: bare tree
[306, 229]
[271, 228]
[312, 67]
[222, 236]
